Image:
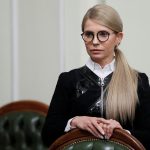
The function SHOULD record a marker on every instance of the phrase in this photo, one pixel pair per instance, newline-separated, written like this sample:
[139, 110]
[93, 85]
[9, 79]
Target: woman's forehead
[95, 25]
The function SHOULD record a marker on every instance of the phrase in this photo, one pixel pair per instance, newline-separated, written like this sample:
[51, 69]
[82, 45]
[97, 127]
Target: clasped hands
[99, 127]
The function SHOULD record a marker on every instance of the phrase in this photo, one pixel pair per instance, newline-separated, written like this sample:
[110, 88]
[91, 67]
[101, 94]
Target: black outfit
[80, 93]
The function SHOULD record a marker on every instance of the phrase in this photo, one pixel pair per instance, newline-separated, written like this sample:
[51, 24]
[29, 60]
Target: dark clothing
[78, 93]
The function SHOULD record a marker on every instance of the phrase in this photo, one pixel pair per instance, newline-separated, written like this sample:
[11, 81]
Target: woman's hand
[99, 127]
[92, 124]
[109, 128]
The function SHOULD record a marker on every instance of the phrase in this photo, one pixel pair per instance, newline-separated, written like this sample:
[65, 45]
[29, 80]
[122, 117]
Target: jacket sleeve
[58, 113]
[141, 126]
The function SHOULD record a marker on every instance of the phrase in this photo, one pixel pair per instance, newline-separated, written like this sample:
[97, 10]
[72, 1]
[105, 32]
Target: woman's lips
[96, 50]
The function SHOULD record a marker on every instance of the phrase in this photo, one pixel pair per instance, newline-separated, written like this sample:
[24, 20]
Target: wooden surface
[119, 136]
[25, 105]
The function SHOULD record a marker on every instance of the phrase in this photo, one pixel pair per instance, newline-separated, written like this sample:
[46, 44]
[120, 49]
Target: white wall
[5, 58]
[41, 38]
[75, 53]
[135, 16]
[38, 48]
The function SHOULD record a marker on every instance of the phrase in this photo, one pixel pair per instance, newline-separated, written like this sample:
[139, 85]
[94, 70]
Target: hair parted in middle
[104, 15]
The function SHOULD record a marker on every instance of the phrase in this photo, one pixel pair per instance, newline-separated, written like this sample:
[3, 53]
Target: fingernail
[101, 137]
[106, 137]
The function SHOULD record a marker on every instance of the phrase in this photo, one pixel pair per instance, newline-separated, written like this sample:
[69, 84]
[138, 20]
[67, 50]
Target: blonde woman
[104, 94]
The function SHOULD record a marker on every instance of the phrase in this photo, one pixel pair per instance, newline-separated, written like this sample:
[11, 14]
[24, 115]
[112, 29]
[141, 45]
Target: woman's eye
[89, 34]
[103, 33]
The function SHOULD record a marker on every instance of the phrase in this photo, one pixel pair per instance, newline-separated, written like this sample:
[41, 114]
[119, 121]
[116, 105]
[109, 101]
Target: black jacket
[76, 94]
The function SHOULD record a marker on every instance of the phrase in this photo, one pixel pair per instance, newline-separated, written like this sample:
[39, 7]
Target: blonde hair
[104, 15]
[122, 95]
[122, 91]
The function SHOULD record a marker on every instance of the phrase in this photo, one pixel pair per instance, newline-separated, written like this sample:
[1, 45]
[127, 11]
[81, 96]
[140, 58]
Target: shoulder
[143, 80]
[142, 75]
[73, 74]
[143, 89]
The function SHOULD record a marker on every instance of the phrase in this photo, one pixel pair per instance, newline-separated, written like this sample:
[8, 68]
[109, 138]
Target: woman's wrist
[73, 122]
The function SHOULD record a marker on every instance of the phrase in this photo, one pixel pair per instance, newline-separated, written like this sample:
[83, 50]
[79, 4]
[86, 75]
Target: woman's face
[101, 52]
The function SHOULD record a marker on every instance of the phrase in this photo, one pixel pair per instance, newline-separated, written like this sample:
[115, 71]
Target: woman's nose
[95, 40]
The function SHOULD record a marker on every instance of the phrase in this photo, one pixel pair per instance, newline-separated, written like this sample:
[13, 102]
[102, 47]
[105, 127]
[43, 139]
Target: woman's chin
[97, 57]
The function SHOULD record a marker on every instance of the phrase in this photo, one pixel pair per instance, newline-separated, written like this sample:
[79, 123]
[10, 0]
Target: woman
[104, 94]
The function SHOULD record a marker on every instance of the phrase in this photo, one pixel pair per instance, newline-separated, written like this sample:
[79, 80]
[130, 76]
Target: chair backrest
[21, 123]
[82, 140]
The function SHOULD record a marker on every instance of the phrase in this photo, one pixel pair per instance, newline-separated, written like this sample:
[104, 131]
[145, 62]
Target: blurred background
[39, 39]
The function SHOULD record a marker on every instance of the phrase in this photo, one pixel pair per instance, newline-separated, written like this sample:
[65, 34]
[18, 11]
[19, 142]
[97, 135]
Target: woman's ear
[119, 37]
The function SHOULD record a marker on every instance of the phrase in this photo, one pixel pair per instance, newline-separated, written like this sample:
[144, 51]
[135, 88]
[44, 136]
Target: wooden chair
[82, 140]
[21, 123]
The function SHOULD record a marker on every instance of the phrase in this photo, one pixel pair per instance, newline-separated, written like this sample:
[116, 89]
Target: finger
[115, 123]
[102, 120]
[108, 131]
[94, 131]
[111, 128]
[99, 128]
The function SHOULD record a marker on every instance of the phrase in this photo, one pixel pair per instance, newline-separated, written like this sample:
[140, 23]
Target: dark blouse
[78, 93]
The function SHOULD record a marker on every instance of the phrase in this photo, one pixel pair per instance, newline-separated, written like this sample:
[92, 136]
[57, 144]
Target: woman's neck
[103, 63]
